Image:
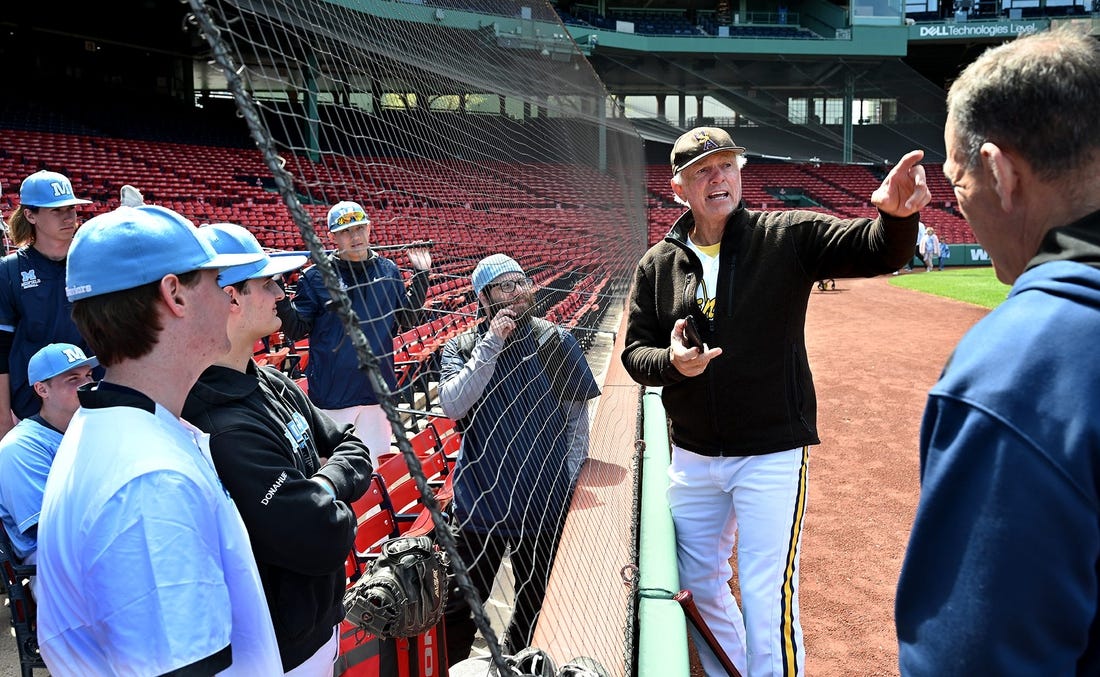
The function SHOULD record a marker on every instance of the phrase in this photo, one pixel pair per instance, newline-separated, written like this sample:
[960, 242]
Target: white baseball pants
[757, 502]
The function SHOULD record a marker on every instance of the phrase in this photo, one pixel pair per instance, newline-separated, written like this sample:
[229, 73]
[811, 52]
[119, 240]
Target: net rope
[483, 134]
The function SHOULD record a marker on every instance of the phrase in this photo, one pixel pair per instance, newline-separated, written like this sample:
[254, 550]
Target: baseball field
[974, 285]
[875, 349]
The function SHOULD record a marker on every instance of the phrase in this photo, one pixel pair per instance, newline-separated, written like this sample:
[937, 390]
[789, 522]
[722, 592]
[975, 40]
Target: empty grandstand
[486, 126]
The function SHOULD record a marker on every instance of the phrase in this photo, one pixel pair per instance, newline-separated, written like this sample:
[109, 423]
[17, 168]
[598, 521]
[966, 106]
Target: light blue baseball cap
[48, 189]
[492, 267]
[229, 238]
[56, 359]
[132, 246]
[345, 215]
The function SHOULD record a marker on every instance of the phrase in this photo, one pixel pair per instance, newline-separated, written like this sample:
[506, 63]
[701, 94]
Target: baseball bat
[419, 244]
[687, 601]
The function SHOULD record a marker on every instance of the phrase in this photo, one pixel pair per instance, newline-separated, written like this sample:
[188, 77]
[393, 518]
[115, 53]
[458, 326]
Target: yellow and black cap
[699, 143]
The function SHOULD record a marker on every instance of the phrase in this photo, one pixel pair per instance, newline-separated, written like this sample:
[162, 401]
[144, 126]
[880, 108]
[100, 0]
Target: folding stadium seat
[448, 436]
[424, 443]
[433, 335]
[301, 349]
[411, 343]
[275, 358]
[402, 492]
[15, 578]
[423, 525]
[375, 522]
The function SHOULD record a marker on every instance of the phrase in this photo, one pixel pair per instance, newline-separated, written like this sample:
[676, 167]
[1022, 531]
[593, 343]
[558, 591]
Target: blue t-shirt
[26, 454]
[144, 564]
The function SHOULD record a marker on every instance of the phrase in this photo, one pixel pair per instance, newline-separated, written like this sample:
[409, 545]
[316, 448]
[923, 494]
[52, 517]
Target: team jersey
[35, 310]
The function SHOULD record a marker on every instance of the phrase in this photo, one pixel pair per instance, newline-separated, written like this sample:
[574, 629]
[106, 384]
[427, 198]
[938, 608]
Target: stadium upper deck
[859, 82]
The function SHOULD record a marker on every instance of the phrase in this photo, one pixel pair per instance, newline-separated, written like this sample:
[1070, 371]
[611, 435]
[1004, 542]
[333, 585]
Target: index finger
[908, 161]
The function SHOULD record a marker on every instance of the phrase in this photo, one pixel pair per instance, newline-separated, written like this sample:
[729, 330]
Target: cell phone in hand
[692, 339]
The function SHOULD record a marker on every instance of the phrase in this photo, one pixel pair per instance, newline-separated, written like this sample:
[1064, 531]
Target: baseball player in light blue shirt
[26, 452]
[144, 564]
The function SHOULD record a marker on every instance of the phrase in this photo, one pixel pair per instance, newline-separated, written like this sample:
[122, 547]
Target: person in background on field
[26, 452]
[33, 308]
[908, 267]
[945, 253]
[742, 405]
[929, 248]
[267, 440]
[1001, 575]
[144, 564]
[383, 305]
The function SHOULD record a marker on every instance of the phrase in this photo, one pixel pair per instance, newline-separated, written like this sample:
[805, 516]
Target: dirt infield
[875, 350]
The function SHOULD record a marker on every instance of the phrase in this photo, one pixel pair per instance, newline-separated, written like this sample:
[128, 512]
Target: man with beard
[517, 388]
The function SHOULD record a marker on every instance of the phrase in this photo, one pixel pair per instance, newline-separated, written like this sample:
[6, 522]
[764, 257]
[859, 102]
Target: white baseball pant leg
[759, 501]
[371, 426]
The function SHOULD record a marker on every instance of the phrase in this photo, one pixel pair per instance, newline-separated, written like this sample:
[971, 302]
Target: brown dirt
[875, 350]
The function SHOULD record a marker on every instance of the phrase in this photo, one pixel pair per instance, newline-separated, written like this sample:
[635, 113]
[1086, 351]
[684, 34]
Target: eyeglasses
[351, 217]
[509, 286]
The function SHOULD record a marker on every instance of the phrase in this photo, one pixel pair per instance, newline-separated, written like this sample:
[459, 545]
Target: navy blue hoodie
[1002, 574]
[380, 301]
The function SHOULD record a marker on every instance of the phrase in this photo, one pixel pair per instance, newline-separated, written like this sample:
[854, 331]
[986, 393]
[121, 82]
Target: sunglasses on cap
[509, 286]
[351, 217]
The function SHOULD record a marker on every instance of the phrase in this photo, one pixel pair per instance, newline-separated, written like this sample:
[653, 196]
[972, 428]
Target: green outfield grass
[972, 285]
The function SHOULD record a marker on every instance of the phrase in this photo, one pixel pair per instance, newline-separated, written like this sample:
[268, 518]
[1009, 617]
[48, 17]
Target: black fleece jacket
[265, 439]
[758, 396]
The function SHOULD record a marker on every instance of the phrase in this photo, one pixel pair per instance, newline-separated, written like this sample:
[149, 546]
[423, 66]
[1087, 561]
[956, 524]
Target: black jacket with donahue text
[758, 396]
[266, 439]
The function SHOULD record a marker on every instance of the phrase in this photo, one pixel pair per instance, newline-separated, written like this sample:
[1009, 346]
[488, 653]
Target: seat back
[449, 439]
[374, 524]
[404, 494]
[397, 480]
[21, 604]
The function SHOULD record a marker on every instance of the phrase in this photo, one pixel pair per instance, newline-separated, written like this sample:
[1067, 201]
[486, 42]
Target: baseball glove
[405, 591]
